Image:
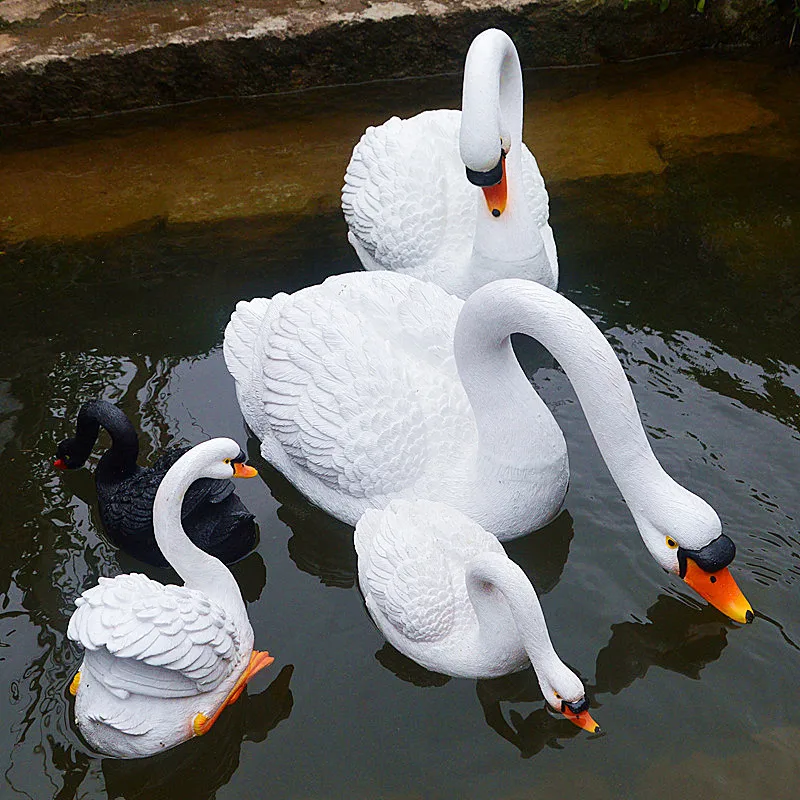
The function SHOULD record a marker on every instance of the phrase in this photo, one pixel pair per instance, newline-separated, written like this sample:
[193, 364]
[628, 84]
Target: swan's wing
[405, 575]
[394, 197]
[142, 637]
[535, 191]
[348, 383]
[128, 505]
[459, 538]
[417, 316]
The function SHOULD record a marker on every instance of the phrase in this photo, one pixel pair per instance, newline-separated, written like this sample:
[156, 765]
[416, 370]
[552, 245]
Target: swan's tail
[241, 334]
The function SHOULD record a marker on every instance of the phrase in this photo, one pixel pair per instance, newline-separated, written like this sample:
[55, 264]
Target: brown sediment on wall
[60, 58]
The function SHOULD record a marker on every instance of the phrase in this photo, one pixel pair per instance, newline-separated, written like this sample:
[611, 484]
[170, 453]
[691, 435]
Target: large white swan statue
[375, 385]
[443, 592]
[411, 207]
[162, 662]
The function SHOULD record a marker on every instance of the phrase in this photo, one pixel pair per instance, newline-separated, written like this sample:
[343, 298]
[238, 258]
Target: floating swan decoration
[213, 516]
[443, 592]
[162, 662]
[411, 208]
[374, 385]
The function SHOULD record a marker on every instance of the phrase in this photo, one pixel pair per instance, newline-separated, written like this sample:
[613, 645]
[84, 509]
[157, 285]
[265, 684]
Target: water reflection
[196, 769]
[675, 637]
[543, 554]
[691, 271]
[529, 733]
[320, 544]
[407, 669]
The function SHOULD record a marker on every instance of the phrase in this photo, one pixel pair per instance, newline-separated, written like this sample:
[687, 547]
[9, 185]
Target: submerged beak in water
[578, 714]
[720, 589]
[706, 571]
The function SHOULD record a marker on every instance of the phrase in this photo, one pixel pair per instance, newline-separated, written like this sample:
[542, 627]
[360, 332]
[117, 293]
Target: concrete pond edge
[112, 58]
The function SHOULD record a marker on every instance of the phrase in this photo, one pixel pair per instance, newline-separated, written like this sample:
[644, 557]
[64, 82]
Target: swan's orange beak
[497, 195]
[59, 463]
[720, 589]
[582, 720]
[241, 470]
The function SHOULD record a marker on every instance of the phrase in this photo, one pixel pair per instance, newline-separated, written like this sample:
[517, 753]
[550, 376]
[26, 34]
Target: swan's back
[142, 637]
[402, 193]
[409, 206]
[412, 560]
[354, 382]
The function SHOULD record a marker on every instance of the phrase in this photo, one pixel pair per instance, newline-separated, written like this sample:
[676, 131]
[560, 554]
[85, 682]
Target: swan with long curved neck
[162, 662]
[444, 593]
[453, 197]
[213, 516]
[374, 386]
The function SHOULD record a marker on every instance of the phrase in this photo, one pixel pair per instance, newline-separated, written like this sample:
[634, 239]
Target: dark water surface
[675, 188]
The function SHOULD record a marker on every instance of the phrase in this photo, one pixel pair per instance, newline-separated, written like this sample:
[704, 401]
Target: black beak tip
[495, 212]
[748, 617]
[597, 729]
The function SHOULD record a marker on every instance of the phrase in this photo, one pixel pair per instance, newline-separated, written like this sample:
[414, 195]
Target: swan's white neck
[198, 569]
[491, 101]
[505, 403]
[490, 573]
[491, 116]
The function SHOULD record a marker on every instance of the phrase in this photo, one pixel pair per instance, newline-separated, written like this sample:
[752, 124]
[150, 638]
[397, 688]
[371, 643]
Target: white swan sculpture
[411, 208]
[374, 385]
[444, 593]
[162, 662]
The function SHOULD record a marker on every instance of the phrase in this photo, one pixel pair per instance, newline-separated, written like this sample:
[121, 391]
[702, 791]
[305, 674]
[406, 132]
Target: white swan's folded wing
[344, 390]
[535, 190]
[406, 576]
[142, 637]
[394, 195]
[417, 317]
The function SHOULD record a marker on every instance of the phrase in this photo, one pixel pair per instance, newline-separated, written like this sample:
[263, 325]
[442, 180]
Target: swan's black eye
[227, 461]
[671, 543]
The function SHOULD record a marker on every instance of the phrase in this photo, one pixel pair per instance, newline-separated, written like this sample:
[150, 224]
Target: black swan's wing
[213, 516]
[204, 490]
[126, 508]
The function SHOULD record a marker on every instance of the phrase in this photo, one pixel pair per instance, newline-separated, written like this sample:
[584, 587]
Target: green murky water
[676, 207]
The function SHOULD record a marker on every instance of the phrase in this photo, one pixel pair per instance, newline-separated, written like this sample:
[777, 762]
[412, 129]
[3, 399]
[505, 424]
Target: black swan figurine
[213, 516]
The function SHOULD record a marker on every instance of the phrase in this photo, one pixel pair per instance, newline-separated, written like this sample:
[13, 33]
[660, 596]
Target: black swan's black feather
[213, 516]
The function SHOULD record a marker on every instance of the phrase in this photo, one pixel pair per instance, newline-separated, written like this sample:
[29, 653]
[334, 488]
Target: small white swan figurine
[162, 662]
[411, 206]
[444, 593]
[374, 385]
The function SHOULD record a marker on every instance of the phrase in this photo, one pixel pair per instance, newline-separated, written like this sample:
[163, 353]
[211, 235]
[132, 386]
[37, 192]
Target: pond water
[125, 243]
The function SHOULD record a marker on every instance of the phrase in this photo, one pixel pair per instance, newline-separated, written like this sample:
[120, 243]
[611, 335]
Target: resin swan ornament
[214, 518]
[444, 593]
[374, 385]
[412, 207]
[162, 662]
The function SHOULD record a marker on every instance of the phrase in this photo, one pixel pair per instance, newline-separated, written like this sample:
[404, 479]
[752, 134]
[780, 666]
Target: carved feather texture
[412, 558]
[142, 637]
[121, 719]
[355, 380]
[409, 205]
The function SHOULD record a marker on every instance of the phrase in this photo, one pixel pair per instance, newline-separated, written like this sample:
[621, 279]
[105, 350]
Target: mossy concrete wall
[65, 59]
